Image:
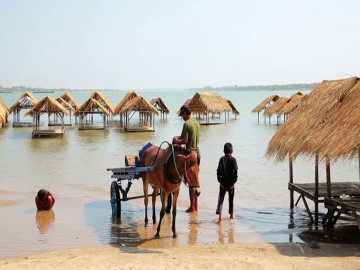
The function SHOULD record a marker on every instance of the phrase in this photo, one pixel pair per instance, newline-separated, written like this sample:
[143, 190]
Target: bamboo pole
[328, 178]
[316, 188]
[291, 181]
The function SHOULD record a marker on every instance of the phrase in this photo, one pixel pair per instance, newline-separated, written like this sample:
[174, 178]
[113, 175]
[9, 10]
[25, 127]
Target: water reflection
[193, 229]
[45, 220]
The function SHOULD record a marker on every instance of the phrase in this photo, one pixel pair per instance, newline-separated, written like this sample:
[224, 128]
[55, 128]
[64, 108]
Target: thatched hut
[266, 103]
[26, 101]
[74, 104]
[160, 106]
[275, 108]
[56, 121]
[207, 104]
[121, 104]
[88, 110]
[47, 105]
[292, 104]
[233, 108]
[146, 114]
[4, 113]
[325, 126]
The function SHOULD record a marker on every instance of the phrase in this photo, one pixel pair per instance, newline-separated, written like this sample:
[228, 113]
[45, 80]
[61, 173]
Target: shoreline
[259, 255]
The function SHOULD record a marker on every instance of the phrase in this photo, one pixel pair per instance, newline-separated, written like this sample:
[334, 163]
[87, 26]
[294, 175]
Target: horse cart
[118, 190]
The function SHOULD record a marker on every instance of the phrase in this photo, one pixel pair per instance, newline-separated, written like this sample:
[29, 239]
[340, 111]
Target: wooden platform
[48, 133]
[337, 207]
[337, 189]
[211, 124]
[139, 128]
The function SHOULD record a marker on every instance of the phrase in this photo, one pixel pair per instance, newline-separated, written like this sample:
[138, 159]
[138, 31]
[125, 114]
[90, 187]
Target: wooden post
[359, 160]
[316, 189]
[291, 181]
[328, 178]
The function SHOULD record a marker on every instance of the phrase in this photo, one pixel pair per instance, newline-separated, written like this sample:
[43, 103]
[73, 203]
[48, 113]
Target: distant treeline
[275, 87]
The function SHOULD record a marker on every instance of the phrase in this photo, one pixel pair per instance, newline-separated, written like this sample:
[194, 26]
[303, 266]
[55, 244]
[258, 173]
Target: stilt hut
[275, 108]
[74, 104]
[56, 121]
[146, 113]
[291, 105]
[160, 106]
[47, 105]
[209, 104]
[325, 126]
[121, 104]
[87, 115]
[25, 102]
[234, 110]
[266, 103]
[4, 113]
[105, 102]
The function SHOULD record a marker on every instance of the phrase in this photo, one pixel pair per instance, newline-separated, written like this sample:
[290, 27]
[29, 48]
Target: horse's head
[191, 173]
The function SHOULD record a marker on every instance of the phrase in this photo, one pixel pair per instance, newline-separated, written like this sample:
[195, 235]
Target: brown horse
[171, 166]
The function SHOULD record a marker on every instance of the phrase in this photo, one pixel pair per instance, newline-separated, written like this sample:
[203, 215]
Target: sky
[176, 44]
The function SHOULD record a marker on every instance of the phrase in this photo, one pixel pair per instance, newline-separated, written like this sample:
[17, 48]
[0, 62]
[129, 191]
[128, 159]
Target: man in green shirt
[190, 138]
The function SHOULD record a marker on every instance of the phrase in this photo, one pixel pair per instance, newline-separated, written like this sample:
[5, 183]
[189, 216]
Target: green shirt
[191, 131]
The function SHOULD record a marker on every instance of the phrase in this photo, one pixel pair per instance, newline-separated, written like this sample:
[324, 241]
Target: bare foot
[190, 209]
[219, 220]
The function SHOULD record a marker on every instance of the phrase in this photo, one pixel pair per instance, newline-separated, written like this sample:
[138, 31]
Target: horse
[171, 166]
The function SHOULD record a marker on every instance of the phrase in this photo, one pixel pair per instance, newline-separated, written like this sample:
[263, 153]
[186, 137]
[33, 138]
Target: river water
[74, 167]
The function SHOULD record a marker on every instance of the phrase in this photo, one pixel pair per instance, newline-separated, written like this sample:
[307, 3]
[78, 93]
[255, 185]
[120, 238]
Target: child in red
[44, 200]
[227, 174]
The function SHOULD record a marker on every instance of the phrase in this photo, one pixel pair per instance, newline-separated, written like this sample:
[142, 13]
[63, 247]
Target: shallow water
[74, 167]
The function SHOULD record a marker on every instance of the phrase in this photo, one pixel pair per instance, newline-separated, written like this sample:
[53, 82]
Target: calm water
[74, 169]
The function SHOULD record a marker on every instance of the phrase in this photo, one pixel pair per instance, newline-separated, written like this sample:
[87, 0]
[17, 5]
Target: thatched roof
[159, 105]
[138, 104]
[2, 102]
[69, 99]
[325, 123]
[4, 113]
[276, 106]
[27, 100]
[91, 106]
[128, 97]
[265, 103]
[47, 105]
[292, 103]
[234, 110]
[204, 103]
[65, 104]
[103, 100]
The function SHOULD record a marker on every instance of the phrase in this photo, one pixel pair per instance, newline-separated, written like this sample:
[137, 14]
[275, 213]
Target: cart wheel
[115, 199]
[168, 203]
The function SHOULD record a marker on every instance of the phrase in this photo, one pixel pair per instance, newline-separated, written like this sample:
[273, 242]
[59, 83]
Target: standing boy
[227, 174]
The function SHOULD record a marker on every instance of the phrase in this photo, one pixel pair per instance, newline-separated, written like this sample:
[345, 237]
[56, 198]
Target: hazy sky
[148, 44]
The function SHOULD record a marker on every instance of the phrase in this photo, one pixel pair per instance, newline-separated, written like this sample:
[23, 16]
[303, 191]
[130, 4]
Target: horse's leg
[175, 197]
[164, 195]
[154, 195]
[146, 199]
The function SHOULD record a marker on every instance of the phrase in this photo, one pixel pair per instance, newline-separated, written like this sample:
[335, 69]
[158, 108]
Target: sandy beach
[229, 256]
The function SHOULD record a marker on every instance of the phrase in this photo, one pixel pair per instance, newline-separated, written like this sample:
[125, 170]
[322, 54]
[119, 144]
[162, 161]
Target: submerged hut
[206, 104]
[291, 105]
[146, 113]
[56, 121]
[234, 110]
[121, 104]
[47, 105]
[275, 108]
[26, 101]
[74, 104]
[87, 115]
[160, 106]
[4, 113]
[325, 126]
[105, 102]
[266, 103]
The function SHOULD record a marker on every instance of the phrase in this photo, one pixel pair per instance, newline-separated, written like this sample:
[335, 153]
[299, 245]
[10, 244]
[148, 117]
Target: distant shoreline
[275, 87]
